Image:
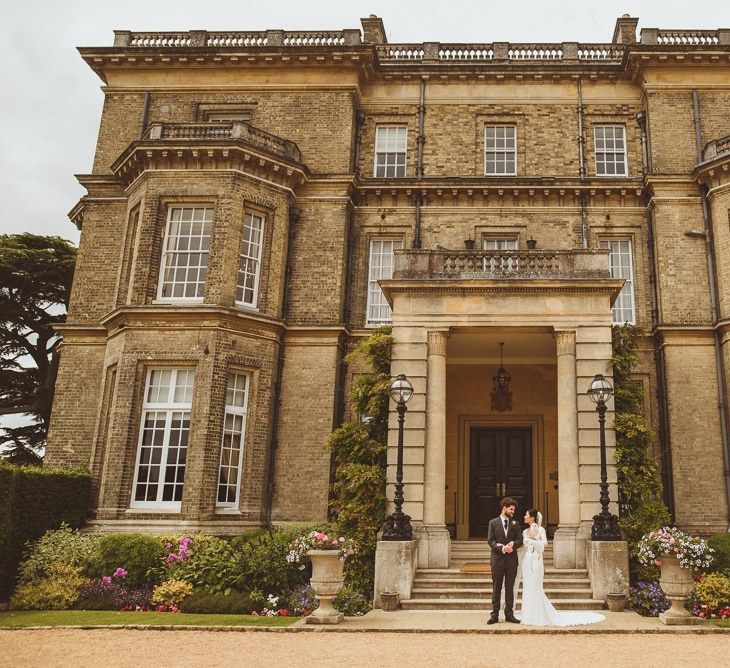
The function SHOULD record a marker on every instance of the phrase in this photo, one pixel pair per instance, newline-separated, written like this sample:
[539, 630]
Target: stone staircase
[467, 584]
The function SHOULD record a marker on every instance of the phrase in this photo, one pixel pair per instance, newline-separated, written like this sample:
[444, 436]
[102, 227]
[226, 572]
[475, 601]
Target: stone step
[550, 573]
[486, 593]
[445, 583]
[479, 604]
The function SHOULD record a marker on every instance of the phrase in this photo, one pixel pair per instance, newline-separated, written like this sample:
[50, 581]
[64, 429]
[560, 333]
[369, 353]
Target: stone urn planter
[676, 583]
[390, 600]
[327, 581]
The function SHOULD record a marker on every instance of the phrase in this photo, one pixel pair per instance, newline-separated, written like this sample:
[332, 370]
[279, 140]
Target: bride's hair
[533, 513]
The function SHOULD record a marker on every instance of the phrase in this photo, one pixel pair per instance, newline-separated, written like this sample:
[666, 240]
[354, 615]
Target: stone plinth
[608, 562]
[395, 568]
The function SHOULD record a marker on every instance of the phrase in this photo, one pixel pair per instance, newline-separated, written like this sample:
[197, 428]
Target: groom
[505, 538]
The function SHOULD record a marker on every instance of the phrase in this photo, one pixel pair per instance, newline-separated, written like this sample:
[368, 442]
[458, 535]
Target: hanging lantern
[501, 395]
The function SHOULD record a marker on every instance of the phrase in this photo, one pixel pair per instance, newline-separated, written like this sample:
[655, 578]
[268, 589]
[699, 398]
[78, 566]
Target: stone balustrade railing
[717, 147]
[217, 131]
[248, 38]
[441, 264]
[685, 37]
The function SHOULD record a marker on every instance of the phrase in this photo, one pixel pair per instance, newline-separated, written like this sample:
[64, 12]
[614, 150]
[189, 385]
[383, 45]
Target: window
[381, 266]
[498, 244]
[621, 263]
[249, 260]
[390, 150]
[610, 145]
[185, 253]
[227, 116]
[500, 150]
[234, 433]
[163, 442]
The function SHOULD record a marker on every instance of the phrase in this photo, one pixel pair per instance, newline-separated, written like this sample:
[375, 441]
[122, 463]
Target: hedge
[32, 501]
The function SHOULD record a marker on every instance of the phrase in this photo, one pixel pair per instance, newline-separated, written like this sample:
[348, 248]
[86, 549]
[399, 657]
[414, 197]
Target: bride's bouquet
[691, 551]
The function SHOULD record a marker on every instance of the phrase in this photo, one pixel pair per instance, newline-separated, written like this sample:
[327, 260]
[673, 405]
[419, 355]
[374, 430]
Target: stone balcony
[716, 148]
[235, 130]
[501, 265]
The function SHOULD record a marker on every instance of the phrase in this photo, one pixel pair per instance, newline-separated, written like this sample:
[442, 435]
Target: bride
[536, 607]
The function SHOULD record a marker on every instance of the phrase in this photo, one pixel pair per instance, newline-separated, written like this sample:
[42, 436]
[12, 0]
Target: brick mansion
[260, 201]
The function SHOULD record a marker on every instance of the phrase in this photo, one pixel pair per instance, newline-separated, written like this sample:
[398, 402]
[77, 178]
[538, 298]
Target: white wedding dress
[536, 607]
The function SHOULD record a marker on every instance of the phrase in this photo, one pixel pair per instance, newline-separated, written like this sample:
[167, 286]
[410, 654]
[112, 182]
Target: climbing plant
[641, 508]
[359, 452]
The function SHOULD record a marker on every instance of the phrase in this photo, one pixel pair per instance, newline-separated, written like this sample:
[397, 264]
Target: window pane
[186, 246]
[249, 260]
[500, 150]
[621, 264]
[390, 151]
[610, 150]
[381, 267]
[234, 427]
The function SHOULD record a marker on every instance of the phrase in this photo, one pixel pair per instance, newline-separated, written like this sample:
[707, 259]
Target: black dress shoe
[512, 620]
[492, 620]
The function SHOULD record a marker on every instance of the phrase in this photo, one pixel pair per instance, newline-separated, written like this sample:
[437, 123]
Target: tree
[36, 273]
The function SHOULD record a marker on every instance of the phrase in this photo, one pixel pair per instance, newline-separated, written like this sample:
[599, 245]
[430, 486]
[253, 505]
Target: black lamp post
[605, 525]
[397, 525]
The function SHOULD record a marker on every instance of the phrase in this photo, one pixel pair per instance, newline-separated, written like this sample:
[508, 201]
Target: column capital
[565, 340]
[437, 341]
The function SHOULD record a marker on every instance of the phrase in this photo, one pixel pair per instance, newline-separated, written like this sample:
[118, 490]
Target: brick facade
[302, 160]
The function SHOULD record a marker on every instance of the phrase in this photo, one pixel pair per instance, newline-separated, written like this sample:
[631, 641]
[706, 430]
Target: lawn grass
[19, 618]
[723, 623]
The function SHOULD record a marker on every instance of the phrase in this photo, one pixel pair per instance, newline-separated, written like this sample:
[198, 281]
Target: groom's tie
[505, 527]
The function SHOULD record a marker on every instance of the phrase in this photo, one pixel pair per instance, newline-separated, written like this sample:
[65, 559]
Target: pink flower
[120, 573]
[106, 581]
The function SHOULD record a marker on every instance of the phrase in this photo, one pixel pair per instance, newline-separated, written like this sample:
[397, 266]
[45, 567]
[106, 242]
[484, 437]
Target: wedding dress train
[536, 607]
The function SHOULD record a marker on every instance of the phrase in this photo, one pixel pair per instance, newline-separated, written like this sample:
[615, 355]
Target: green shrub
[65, 545]
[261, 561]
[713, 591]
[32, 501]
[59, 590]
[644, 519]
[172, 592]
[351, 602]
[140, 555]
[217, 604]
[720, 542]
[211, 567]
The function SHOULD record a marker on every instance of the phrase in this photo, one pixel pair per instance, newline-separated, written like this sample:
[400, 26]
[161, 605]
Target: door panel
[500, 464]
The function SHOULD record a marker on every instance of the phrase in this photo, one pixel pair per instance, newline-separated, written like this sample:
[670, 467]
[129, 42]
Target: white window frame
[613, 152]
[243, 259]
[385, 128]
[234, 411]
[376, 298]
[503, 150]
[507, 265]
[227, 117]
[168, 407]
[168, 252]
[627, 291]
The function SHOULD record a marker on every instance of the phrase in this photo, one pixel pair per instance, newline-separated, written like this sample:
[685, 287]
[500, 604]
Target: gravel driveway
[108, 648]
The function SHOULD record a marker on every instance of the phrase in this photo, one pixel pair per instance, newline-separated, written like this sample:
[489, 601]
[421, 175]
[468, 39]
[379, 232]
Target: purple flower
[106, 581]
[120, 573]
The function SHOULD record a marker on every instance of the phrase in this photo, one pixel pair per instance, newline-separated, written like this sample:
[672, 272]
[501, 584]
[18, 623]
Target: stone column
[568, 465]
[437, 540]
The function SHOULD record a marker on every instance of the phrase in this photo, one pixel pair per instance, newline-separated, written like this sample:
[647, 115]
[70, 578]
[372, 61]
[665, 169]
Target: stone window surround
[596, 118]
[482, 120]
[512, 231]
[133, 219]
[204, 110]
[390, 236]
[159, 504]
[165, 205]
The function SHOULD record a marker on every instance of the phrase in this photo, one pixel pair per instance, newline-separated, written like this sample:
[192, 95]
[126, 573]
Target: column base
[565, 546]
[434, 549]
[395, 568]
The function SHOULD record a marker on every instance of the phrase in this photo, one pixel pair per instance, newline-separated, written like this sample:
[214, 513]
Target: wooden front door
[500, 464]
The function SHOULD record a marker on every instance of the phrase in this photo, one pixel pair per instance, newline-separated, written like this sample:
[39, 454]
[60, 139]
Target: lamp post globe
[397, 525]
[605, 524]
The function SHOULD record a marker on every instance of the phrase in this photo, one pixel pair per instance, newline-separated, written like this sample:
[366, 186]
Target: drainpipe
[145, 113]
[293, 218]
[660, 364]
[722, 405]
[420, 141]
[359, 122]
[582, 169]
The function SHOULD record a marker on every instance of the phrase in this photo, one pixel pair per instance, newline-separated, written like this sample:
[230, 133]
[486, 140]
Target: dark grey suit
[504, 566]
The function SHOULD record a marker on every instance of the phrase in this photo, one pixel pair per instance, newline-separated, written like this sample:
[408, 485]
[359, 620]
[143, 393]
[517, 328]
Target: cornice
[714, 173]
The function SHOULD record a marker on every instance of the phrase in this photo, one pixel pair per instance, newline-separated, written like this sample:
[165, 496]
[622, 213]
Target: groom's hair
[506, 502]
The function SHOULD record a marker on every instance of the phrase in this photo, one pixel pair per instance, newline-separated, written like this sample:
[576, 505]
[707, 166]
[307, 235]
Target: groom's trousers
[504, 571]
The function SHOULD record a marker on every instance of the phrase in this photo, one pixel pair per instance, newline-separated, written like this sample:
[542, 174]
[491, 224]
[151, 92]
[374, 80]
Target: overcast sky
[51, 100]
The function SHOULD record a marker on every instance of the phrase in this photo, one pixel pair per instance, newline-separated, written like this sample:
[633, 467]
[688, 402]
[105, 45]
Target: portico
[553, 311]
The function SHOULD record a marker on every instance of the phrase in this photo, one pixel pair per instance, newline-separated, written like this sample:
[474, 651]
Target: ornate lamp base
[605, 527]
[397, 527]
